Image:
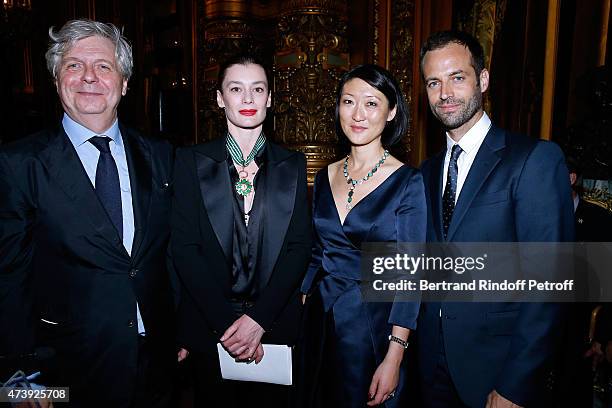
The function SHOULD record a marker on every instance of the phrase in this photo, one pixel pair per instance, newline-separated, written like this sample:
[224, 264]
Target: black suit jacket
[202, 233]
[66, 281]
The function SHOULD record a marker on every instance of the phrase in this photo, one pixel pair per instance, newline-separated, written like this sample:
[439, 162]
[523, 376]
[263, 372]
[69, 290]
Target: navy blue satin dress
[350, 335]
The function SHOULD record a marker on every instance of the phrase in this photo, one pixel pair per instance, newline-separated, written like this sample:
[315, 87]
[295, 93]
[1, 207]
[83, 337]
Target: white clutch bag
[274, 368]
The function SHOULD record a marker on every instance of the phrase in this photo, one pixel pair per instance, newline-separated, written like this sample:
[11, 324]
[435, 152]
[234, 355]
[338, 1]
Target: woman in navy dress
[353, 349]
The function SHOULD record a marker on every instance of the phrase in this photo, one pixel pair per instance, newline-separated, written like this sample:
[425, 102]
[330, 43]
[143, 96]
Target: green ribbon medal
[243, 186]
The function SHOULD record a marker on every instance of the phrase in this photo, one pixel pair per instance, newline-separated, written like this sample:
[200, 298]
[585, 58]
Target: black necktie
[107, 182]
[450, 190]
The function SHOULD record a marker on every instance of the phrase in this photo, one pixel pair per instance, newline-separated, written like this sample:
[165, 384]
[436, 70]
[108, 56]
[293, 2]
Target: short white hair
[63, 40]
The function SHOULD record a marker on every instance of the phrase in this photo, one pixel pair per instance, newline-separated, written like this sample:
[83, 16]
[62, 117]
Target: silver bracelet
[399, 341]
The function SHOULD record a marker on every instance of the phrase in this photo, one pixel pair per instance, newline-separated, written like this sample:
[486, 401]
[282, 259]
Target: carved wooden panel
[311, 55]
[401, 60]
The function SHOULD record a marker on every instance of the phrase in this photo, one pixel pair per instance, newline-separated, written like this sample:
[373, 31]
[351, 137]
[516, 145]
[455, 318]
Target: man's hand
[182, 354]
[494, 400]
[243, 339]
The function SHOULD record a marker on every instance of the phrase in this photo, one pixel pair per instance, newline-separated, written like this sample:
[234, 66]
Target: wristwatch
[399, 341]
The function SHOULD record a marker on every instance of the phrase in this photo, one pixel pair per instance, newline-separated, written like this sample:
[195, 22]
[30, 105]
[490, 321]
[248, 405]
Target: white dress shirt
[469, 143]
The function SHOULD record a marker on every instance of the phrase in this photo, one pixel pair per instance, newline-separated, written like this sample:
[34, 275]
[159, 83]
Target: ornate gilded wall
[484, 20]
[401, 50]
[311, 54]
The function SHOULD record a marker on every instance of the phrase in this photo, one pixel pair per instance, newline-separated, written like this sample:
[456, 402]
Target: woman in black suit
[240, 241]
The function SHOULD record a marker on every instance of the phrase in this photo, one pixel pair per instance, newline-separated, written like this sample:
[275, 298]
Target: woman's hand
[384, 382]
[243, 339]
[385, 379]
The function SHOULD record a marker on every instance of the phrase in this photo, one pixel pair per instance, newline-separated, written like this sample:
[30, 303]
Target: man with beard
[489, 185]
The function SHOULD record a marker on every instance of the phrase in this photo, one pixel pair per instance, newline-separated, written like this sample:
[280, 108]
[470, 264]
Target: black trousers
[441, 393]
[210, 390]
[154, 385]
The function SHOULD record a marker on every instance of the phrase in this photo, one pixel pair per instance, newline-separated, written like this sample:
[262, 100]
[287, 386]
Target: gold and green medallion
[243, 186]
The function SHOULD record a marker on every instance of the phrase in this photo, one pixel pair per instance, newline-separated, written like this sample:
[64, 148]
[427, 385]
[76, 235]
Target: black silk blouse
[246, 243]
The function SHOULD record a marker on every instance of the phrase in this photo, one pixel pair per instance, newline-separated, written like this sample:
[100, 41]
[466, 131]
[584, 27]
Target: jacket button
[133, 272]
[130, 323]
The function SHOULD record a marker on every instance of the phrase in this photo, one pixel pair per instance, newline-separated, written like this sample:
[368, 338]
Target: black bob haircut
[442, 38]
[241, 59]
[382, 80]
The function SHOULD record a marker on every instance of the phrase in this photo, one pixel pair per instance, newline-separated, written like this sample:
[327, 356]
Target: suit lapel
[485, 161]
[215, 188]
[65, 168]
[281, 188]
[139, 166]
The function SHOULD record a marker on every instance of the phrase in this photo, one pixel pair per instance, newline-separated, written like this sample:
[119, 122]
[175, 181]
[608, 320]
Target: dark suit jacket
[63, 261]
[517, 190]
[202, 233]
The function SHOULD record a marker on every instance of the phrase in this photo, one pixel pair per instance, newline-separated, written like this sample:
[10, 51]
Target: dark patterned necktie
[107, 182]
[450, 190]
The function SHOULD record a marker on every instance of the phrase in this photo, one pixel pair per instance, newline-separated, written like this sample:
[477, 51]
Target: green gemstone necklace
[353, 183]
[243, 186]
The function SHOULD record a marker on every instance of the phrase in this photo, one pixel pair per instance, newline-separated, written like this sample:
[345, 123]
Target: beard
[454, 120]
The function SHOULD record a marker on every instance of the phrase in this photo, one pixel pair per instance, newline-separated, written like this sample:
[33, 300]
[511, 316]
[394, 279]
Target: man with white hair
[84, 228]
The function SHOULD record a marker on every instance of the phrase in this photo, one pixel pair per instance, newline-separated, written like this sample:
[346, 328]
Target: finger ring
[392, 394]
